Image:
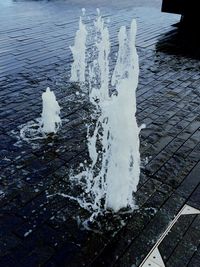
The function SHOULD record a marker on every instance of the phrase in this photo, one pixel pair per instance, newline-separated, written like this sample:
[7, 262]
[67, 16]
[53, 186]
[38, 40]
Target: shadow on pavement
[180, 41]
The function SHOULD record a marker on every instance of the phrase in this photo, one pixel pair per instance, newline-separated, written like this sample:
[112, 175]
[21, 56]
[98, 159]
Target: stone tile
[40, 225]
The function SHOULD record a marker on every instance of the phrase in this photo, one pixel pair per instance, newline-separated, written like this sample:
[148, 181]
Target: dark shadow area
[182, 41]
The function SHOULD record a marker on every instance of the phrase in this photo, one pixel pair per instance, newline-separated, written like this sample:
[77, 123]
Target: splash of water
[113, 144]
[50, 112]
[50, 121]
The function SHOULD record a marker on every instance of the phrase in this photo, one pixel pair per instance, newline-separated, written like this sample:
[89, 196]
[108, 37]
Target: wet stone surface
[40, 227]
[180, 247]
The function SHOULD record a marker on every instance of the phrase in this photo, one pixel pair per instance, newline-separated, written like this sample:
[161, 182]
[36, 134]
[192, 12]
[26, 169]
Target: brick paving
[37, 230]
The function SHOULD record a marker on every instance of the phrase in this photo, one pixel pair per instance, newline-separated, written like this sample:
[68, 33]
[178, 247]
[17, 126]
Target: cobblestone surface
[38, 226]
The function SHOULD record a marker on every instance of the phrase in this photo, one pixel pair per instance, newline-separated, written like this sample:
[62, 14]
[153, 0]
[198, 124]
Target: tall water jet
[113, 142]
[50, 120]
[78, 52]
[123, 167]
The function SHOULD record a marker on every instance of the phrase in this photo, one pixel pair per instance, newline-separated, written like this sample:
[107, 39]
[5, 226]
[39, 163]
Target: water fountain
[50, 112]
[78, 51]
[49, 122]
[113, 142]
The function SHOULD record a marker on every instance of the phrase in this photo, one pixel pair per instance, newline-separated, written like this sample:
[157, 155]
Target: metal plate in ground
[154, 258]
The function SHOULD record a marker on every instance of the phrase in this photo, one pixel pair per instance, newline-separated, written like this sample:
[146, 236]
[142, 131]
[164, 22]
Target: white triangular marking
[154, 259]
[189, 210]
[149, 263]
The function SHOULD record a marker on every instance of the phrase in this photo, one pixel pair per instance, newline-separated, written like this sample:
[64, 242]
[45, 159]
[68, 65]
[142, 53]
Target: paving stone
[7, 261]
[41, 226]
[149, 236]
[190, 182]
[186, 248]
[37, 257]
[175, 236]
[194, 262]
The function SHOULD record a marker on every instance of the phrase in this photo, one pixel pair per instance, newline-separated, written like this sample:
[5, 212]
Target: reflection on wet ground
[40, 227]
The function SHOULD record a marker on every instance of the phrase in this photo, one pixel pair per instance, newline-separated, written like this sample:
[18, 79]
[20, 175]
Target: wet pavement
[40, 227]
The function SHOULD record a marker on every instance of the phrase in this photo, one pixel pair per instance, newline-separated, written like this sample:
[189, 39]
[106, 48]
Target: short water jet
[51, 121]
